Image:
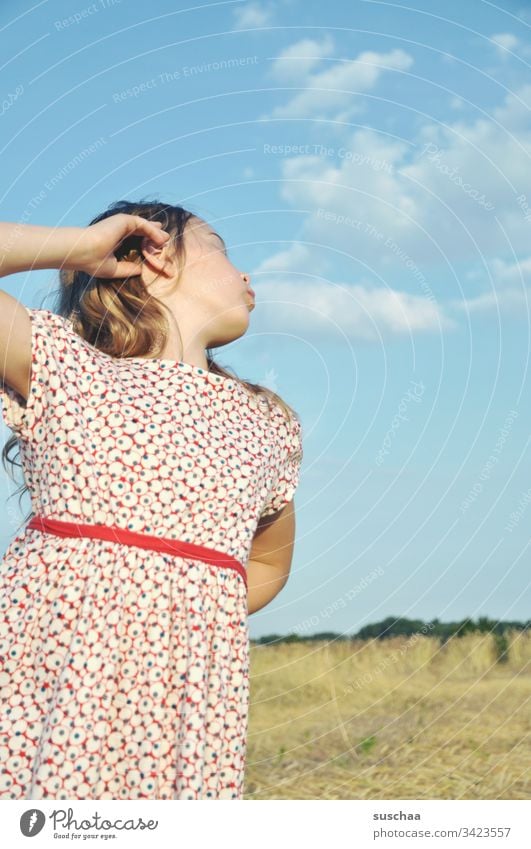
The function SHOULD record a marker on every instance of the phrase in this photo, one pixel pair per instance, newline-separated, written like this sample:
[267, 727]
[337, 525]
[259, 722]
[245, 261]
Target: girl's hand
[94, 249]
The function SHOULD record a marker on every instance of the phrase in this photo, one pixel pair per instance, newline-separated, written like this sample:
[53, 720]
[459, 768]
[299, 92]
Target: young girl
[162, 513]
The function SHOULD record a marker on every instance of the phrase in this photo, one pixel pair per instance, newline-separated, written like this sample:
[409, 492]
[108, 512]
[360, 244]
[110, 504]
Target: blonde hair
[119, 317]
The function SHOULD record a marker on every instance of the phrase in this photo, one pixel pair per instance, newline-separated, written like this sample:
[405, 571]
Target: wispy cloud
[515, 301]
[319, 308]
[504, 42]
[392, 204]
[509, 46]
[252, 14]
[333, 88]
[299, 59]
[509, 289]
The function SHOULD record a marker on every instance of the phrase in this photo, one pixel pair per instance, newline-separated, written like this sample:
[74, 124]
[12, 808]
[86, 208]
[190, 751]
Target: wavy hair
[120, 317]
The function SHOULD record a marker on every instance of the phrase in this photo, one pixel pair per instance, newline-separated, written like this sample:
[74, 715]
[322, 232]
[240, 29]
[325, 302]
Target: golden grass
[398, 719]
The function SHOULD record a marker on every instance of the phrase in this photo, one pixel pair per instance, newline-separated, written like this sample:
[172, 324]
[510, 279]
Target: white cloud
[449, 197]
[515, 112]
[504, 41]
[415, 214]
[298, 258]
[457, 103]
[299, 59]
[319, 308]
[253, 14]
[509, 46]
[334, 88]
[511, 272]
[515, 301]
[509, 288]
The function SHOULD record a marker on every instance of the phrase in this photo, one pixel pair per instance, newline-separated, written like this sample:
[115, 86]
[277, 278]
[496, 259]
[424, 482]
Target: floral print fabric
[124, 672]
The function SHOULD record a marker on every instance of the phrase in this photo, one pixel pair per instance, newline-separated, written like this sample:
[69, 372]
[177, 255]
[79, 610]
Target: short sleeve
[286, 477]
[48, 337]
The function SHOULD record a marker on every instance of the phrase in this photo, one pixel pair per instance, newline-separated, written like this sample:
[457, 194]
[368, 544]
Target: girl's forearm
[264, 582]
[29, 246]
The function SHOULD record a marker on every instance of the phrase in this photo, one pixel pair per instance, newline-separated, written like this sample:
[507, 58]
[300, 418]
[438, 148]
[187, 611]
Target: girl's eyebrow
[220, 239]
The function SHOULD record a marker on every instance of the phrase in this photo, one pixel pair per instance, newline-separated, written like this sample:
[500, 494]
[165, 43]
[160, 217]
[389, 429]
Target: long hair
[120, 317]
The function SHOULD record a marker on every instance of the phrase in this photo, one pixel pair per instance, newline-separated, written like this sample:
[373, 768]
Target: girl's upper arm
[285, 478]
[34, 370]
[274, 539]
[15, 344]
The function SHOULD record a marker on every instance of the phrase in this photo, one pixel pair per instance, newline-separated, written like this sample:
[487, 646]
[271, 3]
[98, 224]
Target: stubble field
[403, 718]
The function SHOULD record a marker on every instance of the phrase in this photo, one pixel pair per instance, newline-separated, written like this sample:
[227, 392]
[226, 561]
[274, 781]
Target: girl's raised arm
[25, 247]
[15, 344]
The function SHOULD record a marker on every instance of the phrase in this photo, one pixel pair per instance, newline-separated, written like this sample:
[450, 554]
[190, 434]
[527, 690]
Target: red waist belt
[115, 534]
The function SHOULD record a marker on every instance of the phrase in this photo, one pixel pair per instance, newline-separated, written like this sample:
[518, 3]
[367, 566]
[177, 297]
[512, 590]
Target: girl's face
[211, 292]
[213, 285]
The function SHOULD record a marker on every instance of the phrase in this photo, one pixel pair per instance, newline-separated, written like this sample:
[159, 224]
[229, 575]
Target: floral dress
[124, 671]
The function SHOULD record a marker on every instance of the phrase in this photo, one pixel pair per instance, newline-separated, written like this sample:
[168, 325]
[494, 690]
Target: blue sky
[369, 164]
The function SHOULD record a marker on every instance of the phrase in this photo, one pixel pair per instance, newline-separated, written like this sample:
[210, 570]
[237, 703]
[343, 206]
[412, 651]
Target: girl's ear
[156, 255]
[150, 247]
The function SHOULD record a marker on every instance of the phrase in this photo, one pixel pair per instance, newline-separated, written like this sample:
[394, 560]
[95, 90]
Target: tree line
[400, 626]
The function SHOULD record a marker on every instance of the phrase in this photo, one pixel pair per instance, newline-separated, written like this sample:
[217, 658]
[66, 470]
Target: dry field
[404, 718]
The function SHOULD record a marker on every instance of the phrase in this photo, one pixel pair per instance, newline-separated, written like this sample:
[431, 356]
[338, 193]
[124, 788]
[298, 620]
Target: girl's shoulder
[50, 324]
[57, 332]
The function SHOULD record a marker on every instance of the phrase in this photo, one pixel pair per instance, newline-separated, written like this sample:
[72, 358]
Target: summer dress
[124, 671]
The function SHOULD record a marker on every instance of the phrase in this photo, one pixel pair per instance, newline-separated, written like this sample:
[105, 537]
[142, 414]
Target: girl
[162, 513]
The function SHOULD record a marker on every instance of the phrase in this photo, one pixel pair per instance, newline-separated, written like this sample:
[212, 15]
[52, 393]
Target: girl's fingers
[152, 228]
[126, 269]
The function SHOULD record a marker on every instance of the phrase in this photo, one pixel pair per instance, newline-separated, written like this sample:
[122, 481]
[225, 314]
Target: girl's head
[208, 297]
[187, 296]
